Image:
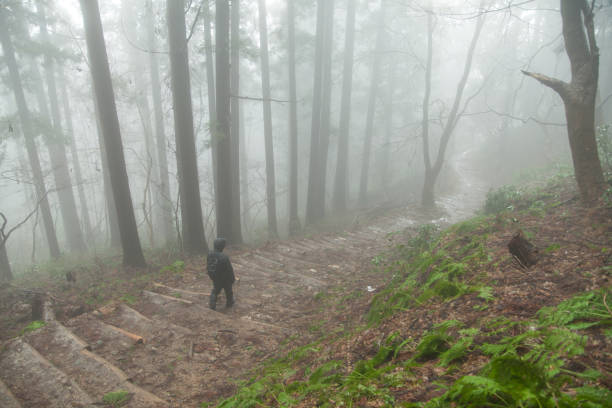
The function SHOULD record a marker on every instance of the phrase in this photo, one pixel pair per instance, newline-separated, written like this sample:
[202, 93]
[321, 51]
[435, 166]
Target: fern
[579, 313]
[432, 345]
[485, 293]
[593, 397]
[321, 375]
[456, 352]
[475, 391]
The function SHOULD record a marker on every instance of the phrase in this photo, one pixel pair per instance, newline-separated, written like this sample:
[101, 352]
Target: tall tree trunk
[579, 95]
[267, 113]
[374, 87]
[194, 241]
[294, 220]
[427, 196]
[386, 147]
[236, 232]
[165, 200]
[244, 175]
[210, 81]
[130, 242]
[222, 132]
[24, 117]
[129, 17]
[326, 85]
[6, 274]
[78, 174]
[29, 195]
[315, 126]
[340, 182]
[432, 171]
[109, 195]
[57, 151]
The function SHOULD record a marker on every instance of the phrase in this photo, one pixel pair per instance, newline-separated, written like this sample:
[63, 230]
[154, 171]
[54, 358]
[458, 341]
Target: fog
[477, 111]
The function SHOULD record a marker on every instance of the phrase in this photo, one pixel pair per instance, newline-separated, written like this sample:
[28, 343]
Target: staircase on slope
[168, 349]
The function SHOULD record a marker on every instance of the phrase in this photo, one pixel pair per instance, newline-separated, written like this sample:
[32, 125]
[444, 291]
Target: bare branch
[195, 20]
[5, 235]
[556, 85]
[471, 97]
[604, 102]
[250, 98]
[4, 221]
[518, 118]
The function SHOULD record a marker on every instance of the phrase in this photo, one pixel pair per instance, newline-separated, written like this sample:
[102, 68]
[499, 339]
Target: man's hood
[219, 244]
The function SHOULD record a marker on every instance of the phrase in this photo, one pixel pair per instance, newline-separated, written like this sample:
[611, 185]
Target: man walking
[219, 269]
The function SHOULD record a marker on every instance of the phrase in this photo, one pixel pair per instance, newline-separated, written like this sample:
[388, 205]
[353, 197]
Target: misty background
[506, 123]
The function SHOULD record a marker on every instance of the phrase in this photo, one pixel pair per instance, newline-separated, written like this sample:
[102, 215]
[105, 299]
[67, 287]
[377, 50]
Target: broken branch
[556, 85]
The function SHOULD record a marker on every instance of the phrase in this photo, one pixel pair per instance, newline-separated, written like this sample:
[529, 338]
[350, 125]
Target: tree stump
[523, 250]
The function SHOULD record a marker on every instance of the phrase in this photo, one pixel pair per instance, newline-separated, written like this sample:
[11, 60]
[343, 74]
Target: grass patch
[116, 398]
[35, 325]
[175, 267]
[129, 299]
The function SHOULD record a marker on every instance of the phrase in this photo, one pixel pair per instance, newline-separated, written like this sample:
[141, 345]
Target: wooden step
[199, 297]
[99, 334]
[7, 399]
[297, 247]
[348, 245]
[35, 382]
[194, 315]
[253, 274]
[312, 244]
[254, 259]
[91, 372]
[266, 312]
[135, 322]
[285, 274]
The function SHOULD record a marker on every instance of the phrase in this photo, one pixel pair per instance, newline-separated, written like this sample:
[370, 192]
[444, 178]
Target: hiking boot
[213, 302]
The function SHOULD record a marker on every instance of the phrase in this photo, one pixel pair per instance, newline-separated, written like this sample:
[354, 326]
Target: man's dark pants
[229, 294]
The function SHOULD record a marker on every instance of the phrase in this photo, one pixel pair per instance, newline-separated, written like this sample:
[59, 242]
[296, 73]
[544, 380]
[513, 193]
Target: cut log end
[524, 251]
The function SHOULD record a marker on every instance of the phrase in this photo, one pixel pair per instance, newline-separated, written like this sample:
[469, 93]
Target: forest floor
[385, 313]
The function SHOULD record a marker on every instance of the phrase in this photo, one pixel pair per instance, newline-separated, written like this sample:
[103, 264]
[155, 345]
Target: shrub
[501, 199]
[604, 147]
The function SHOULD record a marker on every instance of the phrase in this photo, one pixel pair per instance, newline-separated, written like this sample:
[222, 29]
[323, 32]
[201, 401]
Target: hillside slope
[463, 323]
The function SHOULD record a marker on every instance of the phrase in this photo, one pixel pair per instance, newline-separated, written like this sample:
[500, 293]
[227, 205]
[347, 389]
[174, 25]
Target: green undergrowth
[542, 365]
[436, 266]
[331, 383]
[532, 363]
[492, 361]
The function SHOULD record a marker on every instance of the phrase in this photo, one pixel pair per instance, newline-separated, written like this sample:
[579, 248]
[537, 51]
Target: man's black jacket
[218, 265]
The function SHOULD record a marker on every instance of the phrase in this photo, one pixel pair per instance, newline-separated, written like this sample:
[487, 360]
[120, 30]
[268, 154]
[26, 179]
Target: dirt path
[168, 349]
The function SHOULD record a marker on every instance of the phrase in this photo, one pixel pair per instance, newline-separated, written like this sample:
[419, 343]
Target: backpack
[212, 261]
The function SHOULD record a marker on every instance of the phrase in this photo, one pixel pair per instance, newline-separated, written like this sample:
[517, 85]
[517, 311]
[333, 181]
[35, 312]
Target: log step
[36, 382]
[245, 306]
[311, 244]
[100, 334]
[92, 373]
[7, 399]
[284, 273]
[160, 299]
[134, 322]
[194, 315]
[201, 297]
[262, 279]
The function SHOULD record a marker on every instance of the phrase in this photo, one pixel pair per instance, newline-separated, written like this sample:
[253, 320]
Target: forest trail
[166, 348]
